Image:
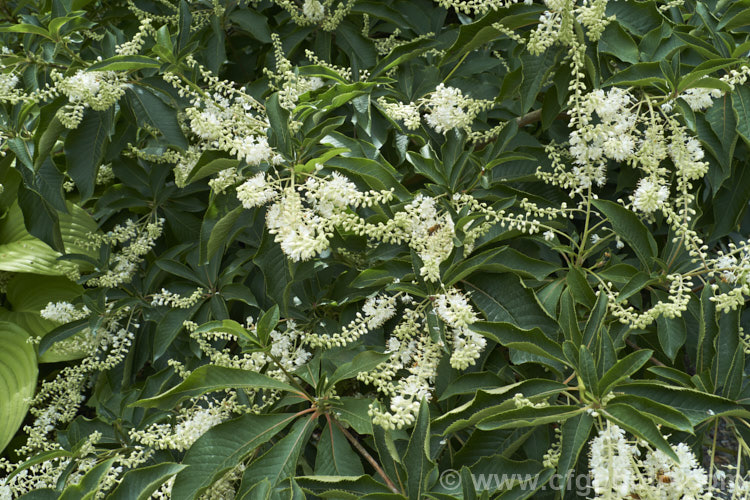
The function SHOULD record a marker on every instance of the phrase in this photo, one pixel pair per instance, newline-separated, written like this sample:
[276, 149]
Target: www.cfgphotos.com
[451, 479]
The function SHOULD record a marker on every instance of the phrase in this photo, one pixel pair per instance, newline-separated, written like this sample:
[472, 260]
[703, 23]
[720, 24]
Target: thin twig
[367, 456]
[652, 359]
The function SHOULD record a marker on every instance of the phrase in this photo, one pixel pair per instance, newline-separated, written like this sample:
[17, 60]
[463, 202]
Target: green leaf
[335, 486]
[403, 53]
[529, 417]
[704, 69]
[617, 42]
[741, 104]
[627, 225]
[28, 294]
[672, 334]
[470, 383]
[354, 411]
[125, 63]
[41, 494]
[580, 288]
[222, 448]
[504, 298]
[511, 336]
[140, 483]
[220, 232]
[722, 121]
[280, 462]
[85, 489]
[478, 33]
[278, 117]
[84, 149]
[638, 75]
[252, 22]
[362, 362]
[18, 373]
[60, 333]
[575, 434]
[586, 370]
[640, 426]
[623, 369]
[267, 323]
[26, 28]
[209, 378]
[152, 111]
[48, 137]
[335, 456]
[500, 260]
[493, 401]
[696, 405]
[659, 413]
[726, 344]
[210, 163]
[417, 460]
[376, 174]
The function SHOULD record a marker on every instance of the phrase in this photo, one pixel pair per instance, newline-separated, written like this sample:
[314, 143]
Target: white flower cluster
[98, 90]
[58, 399]
[175, 300]
[135, 241]
[478, 7]
[301, 232]
[650, 195]
[615, 126]
[419, 355]
[429, 233]
[398, 111]
[304, 226]
[223, 118]
[8, 82]
[680, 291]
[314, 10]
[446, 109]
[190, 424]
[256, 191]
[287, 347]
[700, 98]
[287, 81]
[63, 312]
[556, 25]
[454, 309]
[327, 14]
[733, 270]
[287, 350]
[47, 473]
[376, 310]
[619, 470]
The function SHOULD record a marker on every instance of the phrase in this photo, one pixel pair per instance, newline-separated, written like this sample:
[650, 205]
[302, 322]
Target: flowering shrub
[335, 248]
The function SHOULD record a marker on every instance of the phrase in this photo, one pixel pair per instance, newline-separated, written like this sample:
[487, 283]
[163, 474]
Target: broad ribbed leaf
[222, 448]
[628, 226]
[210, 378]
[528, 417]
[335, 456]
[639, 425]
[18, 373]
[139, 484]
[417, 457]
[280, 461]
[623, 369]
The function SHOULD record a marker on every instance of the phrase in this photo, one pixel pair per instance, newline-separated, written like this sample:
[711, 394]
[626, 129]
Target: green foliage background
[548, 332]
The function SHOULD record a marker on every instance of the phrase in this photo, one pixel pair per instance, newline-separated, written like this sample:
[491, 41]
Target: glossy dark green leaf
[210, 378]
[222, 448]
